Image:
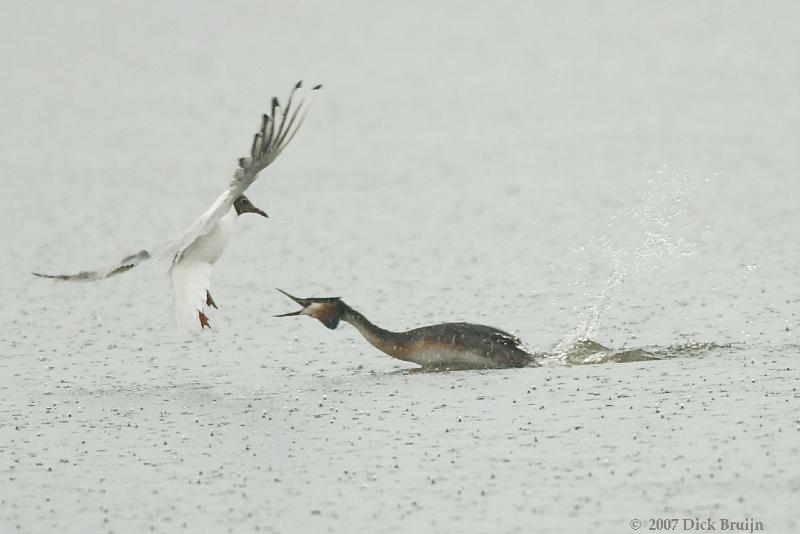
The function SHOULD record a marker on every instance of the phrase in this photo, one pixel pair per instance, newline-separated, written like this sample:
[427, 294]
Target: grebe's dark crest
[441, 346]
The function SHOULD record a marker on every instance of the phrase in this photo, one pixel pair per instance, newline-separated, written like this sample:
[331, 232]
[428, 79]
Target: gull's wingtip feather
[51, 276]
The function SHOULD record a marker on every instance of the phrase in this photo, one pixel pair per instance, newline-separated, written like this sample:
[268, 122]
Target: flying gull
[194, 252]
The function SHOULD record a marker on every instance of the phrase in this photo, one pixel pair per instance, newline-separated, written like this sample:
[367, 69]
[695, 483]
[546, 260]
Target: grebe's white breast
[444, 356]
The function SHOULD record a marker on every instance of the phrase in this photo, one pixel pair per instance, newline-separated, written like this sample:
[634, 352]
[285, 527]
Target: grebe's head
[243, 205]
[327, 310]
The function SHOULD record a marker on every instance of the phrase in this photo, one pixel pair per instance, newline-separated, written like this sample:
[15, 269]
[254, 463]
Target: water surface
[614, 183]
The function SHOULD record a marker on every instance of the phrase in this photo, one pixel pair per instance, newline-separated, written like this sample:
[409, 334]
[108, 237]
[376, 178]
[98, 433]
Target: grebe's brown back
[441, 346]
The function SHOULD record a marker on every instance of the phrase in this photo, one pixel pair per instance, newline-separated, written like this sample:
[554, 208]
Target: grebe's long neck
[392, 343]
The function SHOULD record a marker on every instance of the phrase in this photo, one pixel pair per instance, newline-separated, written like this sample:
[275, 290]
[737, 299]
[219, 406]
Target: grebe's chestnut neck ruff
[442, 346]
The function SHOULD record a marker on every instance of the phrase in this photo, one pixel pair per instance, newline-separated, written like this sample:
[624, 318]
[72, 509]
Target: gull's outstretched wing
[276, 132]
[277, 129]
[127, 263]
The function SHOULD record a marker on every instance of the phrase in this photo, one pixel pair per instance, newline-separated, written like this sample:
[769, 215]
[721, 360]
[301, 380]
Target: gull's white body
[191, 271]
[193, 253]
[209, 247]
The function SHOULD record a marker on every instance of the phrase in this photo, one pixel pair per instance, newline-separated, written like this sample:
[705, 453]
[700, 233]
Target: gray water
[611, 182]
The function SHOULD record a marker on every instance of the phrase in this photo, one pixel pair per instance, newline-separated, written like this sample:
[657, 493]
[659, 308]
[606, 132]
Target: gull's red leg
[203, 320]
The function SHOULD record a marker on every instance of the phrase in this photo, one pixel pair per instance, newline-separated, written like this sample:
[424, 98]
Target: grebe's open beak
[305, 303]
[325, 310]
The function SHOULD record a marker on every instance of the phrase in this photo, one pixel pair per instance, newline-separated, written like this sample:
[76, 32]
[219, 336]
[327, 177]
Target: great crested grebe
[452, 346]
[194, 252]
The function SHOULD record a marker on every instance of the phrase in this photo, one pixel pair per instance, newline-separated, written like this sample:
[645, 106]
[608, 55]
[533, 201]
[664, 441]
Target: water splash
[588, 352]
[651, 234]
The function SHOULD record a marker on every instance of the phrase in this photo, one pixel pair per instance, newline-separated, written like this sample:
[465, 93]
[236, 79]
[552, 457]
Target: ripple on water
[588, 352]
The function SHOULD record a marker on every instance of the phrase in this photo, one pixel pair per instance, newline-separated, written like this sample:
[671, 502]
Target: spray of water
[650, 234]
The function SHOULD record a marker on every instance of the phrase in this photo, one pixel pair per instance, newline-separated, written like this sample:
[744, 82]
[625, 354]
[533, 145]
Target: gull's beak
[244, 205]
[302, 302]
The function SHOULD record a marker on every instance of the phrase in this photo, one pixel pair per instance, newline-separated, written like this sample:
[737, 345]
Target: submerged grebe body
[441, 346]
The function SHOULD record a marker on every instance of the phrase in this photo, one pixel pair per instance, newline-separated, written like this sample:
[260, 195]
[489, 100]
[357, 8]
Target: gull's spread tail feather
[190, 286]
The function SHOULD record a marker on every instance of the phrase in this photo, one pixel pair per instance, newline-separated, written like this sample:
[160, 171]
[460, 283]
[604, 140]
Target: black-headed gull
[194, 252]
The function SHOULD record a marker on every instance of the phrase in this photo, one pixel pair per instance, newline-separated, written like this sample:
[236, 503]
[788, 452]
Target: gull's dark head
[327, 310]
[243, 205]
